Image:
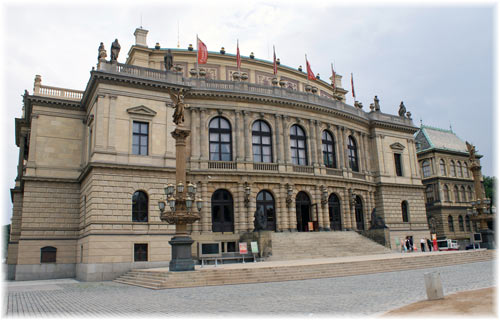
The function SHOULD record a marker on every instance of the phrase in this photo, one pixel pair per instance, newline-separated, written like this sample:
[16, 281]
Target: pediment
[397, 146]
[142, 110]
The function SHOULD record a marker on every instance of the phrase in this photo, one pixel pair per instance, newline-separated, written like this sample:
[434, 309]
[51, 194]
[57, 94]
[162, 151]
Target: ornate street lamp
[246, 200]
[289, 193]
[324, 196]
[179, 201]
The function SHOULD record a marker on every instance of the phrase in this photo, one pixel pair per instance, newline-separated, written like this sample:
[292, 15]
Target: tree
[489, 187]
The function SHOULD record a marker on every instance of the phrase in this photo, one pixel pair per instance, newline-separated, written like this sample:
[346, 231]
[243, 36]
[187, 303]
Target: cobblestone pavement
[355, 295]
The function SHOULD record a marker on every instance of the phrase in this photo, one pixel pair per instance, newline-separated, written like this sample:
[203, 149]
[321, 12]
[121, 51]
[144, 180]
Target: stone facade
[448, 181]
[84, 159]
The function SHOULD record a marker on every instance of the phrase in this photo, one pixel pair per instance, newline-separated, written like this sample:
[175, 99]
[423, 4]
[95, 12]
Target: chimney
[141, 37]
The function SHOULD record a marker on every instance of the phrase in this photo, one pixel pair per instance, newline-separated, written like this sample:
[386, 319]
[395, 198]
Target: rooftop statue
[177, 97]
[102, 52]
[115, 50]
[168, 60]
[472, 152]
[376, 102]
[402, 109]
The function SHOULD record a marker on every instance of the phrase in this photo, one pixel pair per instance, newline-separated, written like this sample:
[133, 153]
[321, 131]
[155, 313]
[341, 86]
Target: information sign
[254, 246]
[310, 226]
[243, 248]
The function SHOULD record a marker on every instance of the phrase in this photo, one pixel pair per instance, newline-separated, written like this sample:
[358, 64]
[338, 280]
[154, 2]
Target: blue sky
[439, 60]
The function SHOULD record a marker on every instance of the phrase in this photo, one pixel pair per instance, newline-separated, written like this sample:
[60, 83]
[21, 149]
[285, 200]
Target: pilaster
[111, 123]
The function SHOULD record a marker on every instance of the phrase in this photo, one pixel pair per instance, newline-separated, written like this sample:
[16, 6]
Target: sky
[438, 59]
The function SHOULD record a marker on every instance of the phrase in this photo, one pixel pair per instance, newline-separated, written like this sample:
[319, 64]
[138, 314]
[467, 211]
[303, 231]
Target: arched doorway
[222, 211]
[265, 203]
[334, 212]
[303, 210]
[358, 211]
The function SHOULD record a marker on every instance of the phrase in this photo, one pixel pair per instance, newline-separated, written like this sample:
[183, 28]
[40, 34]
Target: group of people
[407, 245]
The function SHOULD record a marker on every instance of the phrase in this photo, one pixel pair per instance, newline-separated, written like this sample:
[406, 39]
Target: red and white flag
[275, 64]
[310, 74]
[238, 58]
[352, 86]
[333, 78]
[202, 52]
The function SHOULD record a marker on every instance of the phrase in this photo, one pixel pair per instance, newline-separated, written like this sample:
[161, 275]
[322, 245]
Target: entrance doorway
[334, 212]
[265, 203]
[358, 211]
[222, 211]
[303, 210]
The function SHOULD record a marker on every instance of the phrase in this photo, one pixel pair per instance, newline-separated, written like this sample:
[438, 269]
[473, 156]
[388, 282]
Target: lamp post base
[488, 238]
[181, 254]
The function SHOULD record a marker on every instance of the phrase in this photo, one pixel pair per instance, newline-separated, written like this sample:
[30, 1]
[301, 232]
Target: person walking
[429, 244]
[422, 244]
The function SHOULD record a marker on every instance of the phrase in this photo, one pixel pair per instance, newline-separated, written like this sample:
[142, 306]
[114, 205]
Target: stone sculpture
[402, 109]
[377, 222]
[168, 60]
[376, 103]
[115, 50]
[259, 221]
[102, 52]
[179, 105]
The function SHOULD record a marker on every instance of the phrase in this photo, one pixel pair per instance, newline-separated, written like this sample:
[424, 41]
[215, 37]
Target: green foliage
[490, 187]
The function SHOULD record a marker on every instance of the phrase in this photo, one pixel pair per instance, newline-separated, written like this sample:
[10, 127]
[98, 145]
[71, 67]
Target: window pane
[214, 147]
[302, 154]
[255, 126]
[266, 150]
[256, 150]
[225, 148]
[293, 143]
[301, 144]
[265, 127]
[225, 137]
[255, 139]
[214, 156]
[135, 139]
[266, 140]
[144, 128]
[144, 150]
[214, 137]
[224, 124]
[214, 123]
[266, 159]
[144, 140]
[136, 126]
[226, 157]
[135, 149]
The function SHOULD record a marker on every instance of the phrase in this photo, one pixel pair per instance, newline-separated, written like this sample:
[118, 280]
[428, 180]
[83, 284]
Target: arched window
[453, 169]
[222, 211]
[463, 195]
[358, 211]
[467, 223]
[48, 255]
[442, 166]
[265, 203]
[446, 193]
[220, 140]
[457, 196]
[426, 168]
[461, 223]
[450, 224]
[328, 150]
[298, 145]
[466, 170]
[459, 169]
[139, 207]
[404, 211]
[471, 194]
[429, 194]
[353, 154]
[261, 142]
[334, 212]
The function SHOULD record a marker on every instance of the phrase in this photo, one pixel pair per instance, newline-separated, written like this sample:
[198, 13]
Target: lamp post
[482, 205]
[181, 196]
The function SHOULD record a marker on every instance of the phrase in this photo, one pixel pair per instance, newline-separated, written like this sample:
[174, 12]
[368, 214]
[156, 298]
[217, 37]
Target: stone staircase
[272, 271]
[312, 245]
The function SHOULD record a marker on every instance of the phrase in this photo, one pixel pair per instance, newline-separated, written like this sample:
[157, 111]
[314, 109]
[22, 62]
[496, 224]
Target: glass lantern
[190, 188]
[180, 187]
[189, 203]
[161, 205]
[199, 204]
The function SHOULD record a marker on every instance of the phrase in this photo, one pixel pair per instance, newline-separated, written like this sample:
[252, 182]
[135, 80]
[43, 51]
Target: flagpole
[238, 48]
[307, 71]
[197, 53]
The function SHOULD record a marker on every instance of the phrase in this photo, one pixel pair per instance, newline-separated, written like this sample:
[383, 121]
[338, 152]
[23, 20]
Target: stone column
[196, 226]
[293, 213]
[346, 210]
[321, 218]
[248, 142]
[366, 210]
[319, 151]
[204, 135]
[206, 215]
[240, 209]
[339, 144]
[21, 157]
[32, 143]
[344, 147]
[361, 153]
[194, 146]
[286, 139]
[278, 146]
[369, 165]
[238, 130]
[326, 213]
[112, 123]
[99, 122]
[311, 143]
[252, 206]
[365, 152]
[284, 215]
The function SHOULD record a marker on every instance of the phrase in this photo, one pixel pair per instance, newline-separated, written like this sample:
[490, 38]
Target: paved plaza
[371, 294]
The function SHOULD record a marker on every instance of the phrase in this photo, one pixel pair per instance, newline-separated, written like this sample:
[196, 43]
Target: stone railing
[222, 165]
[303, 169]
[333, 172]
[265, 166]
[58, 92]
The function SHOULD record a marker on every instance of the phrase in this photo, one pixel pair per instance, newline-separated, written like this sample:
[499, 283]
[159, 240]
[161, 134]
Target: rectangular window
[140, 252]
[397, 161]
[140, 133]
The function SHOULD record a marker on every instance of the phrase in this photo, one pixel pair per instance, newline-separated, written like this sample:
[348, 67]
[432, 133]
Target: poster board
[310, 226]
[254, 247]
[243, 248]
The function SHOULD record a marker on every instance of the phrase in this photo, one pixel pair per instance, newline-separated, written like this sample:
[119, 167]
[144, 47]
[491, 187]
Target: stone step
[247, 274]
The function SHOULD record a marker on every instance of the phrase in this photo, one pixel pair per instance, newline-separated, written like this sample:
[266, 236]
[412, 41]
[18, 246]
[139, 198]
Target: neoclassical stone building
[93, 163]
[448, 181]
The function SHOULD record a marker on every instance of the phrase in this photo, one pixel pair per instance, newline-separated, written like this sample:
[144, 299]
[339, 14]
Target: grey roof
[436, 138]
